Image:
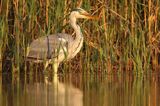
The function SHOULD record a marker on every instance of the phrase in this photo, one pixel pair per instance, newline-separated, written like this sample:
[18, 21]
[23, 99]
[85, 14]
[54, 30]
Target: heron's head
[81, 13]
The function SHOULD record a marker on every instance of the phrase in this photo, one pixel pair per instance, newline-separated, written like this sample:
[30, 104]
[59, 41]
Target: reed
[125, 38]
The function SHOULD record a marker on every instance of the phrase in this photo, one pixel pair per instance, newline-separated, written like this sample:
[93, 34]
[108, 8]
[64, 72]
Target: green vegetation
[125, 38]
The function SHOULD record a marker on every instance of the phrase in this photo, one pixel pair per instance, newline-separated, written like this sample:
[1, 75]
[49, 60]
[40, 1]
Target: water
[38, 89]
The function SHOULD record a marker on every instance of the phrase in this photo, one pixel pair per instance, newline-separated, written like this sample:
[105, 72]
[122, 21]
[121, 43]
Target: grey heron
[59, 47]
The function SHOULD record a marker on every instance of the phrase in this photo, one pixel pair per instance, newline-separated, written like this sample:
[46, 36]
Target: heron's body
[58, 47]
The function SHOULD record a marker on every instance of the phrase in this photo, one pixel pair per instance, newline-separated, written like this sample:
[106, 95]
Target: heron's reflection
[41, 90]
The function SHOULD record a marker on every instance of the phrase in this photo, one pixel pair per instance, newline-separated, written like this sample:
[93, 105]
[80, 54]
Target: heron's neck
[78, 41]
[76, 28]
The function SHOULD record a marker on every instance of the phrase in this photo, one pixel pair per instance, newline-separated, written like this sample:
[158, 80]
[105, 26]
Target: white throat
[76, 27]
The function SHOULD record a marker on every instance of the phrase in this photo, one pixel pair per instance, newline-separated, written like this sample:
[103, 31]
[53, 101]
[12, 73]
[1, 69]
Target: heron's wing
[48, 47]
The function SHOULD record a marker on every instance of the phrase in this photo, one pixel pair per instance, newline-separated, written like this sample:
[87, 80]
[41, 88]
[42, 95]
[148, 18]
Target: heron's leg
[55, 66]
[55, 78]
[46, 65]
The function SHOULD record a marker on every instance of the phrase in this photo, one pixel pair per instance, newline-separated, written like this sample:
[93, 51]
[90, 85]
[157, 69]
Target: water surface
[39, 89]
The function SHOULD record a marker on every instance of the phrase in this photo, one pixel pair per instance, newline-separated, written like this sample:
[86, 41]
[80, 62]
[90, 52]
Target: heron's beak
[88, 16]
